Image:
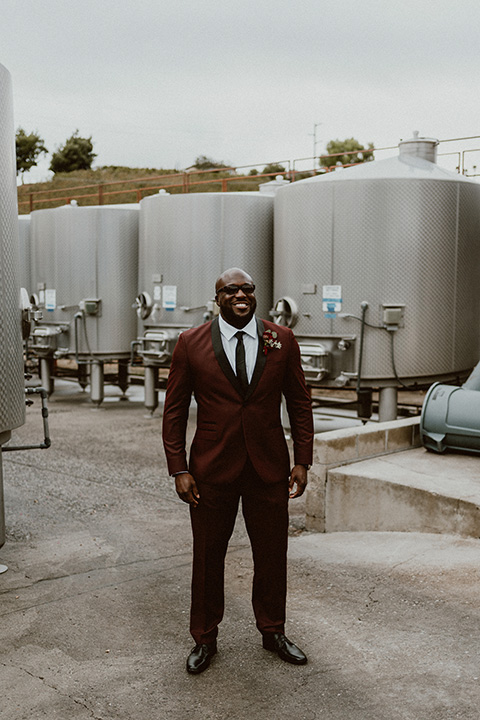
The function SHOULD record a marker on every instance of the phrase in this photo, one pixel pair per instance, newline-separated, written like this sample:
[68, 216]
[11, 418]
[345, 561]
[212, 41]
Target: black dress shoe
[199, 658]
[286, 650]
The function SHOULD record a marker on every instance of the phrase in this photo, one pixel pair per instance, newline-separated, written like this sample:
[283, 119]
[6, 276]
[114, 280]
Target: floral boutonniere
[270, 341]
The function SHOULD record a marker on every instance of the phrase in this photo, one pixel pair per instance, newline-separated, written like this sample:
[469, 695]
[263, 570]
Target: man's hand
[298, 477]
[187, 489]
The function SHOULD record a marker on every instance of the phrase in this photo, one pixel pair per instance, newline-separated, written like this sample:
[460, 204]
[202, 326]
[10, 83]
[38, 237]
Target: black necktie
[240, 364]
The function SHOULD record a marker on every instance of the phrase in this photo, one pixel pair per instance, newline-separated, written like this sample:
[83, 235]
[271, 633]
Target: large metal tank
[25, 253]
[186, 241]
[84, 275]
[12, 396]
[396, 243]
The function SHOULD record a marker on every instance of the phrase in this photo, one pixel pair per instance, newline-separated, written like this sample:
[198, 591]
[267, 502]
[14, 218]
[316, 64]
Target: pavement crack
[42, 679]
[81, 573]
[113, 566]
[103, 586]
[100, 483]
[403, 562]
[370, 599]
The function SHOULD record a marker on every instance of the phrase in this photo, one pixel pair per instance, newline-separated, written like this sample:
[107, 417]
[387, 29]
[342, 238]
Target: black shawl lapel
[260, 363]
[222, 358]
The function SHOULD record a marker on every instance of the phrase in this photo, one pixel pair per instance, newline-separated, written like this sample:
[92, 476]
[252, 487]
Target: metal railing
[219, 180]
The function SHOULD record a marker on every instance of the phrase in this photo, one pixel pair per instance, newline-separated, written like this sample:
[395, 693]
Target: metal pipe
[364, 307]
[133, 345]
[78, 315]
[46, 434]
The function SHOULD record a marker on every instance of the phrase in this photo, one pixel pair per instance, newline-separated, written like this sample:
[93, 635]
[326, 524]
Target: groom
[238, 367]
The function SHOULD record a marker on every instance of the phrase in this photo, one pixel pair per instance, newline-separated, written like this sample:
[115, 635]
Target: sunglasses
[247, 288]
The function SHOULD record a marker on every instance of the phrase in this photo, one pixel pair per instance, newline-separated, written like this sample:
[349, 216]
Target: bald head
[233, 275]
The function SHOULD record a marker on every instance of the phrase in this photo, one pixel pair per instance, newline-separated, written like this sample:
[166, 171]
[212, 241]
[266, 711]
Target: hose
[375, 327]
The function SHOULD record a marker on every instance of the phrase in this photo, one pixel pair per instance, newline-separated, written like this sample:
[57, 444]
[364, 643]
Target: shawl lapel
[227, 368]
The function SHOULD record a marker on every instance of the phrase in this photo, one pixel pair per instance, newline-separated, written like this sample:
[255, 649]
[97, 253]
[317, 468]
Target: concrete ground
[94, 606]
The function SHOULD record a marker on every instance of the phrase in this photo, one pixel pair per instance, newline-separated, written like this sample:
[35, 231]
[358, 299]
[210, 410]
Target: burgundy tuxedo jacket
[232, 426]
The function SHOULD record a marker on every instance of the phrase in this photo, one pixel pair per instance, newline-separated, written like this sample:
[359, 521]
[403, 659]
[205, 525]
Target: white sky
[158, 82]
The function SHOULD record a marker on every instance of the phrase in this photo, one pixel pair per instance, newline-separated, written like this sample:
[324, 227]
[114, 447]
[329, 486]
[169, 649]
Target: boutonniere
[270, 341]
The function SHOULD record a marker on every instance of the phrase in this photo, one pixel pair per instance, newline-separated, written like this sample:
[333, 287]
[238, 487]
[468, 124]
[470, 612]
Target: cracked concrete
[94, 606]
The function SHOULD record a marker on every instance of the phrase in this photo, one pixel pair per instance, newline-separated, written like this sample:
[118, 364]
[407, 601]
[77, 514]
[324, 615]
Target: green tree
[273, 168]
[76, 154]
[354, 153]
[202, 162]
[28, 147]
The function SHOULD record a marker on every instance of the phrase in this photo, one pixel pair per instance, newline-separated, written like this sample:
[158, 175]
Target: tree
[273, 168]
[76, 154]
[358, 152]
[28, 147]
[203, 162]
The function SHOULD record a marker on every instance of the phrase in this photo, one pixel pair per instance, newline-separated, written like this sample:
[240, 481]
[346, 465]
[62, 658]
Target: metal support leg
[3, 568]
[123, 375]
[96, 382]
[82, 375]
[46, 374]
[150, 385]
[2, 508]
[387, 404]
[364, 403]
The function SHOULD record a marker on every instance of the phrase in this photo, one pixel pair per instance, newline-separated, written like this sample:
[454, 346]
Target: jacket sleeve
[176, 408]
[299, 406]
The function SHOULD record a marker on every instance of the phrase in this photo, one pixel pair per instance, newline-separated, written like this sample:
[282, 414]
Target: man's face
[237, 308]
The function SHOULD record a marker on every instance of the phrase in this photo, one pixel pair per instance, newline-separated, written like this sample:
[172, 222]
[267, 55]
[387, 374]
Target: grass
[111, 184]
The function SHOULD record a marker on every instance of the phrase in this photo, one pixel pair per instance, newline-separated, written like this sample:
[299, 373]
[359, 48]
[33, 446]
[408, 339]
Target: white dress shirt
[250, 342]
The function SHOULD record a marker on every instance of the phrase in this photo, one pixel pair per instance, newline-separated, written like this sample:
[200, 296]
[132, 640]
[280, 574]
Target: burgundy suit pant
[265, 511]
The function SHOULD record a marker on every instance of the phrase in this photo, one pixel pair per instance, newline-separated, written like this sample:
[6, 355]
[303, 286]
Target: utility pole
[314, 134]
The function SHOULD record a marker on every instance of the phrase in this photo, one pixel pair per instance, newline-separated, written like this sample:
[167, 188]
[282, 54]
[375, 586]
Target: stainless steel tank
[25, 253]
[84, 275]
[12, 395]
[186, 241]
[395, 242]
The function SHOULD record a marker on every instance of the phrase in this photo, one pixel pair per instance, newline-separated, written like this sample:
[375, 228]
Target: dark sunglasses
[247, 288]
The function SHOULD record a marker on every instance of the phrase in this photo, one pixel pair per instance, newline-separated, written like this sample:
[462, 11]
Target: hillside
[107, 185]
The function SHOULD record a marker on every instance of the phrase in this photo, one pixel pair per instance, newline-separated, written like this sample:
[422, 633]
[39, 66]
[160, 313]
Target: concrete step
[409, 491]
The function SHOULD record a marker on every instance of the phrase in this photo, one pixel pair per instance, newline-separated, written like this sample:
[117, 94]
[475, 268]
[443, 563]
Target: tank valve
[285, 312]
[342, 380]
[143, 305]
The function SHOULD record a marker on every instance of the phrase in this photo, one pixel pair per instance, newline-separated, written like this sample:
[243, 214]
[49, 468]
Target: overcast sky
[158, 82]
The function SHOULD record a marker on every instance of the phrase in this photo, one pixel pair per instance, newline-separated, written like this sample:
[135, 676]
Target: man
[239, 450]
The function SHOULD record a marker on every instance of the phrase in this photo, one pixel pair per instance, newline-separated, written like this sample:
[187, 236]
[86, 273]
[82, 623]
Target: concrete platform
[94, 605]
[377, 478]
[410, 491]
